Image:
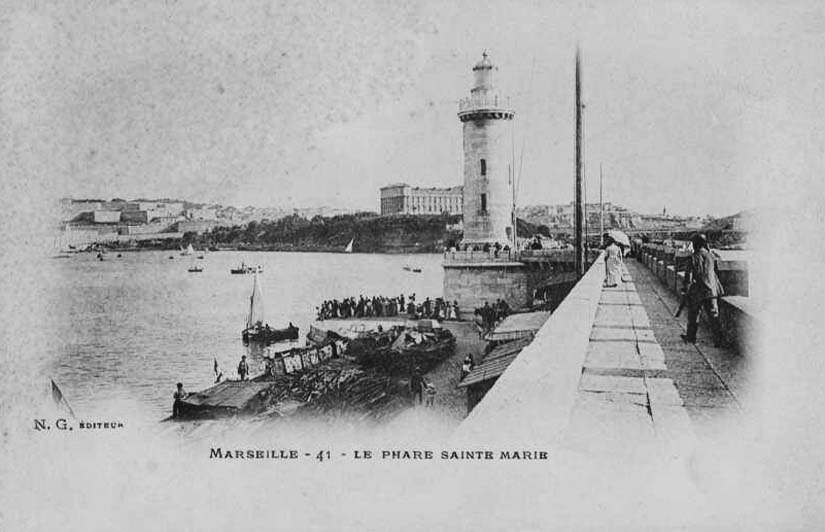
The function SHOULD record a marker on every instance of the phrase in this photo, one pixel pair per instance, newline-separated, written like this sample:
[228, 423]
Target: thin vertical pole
[578, 220]
[514, 217]
[601, 210]
[513, 182]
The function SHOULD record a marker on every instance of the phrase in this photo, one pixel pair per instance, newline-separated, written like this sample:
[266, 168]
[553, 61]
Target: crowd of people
[383, 307]
[491, 314]
[496, 248]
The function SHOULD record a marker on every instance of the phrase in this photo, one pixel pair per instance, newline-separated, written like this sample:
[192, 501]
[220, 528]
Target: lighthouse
[474, 276]
[487, 121]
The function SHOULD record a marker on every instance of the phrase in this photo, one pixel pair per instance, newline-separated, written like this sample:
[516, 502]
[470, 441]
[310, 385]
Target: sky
[697, 107]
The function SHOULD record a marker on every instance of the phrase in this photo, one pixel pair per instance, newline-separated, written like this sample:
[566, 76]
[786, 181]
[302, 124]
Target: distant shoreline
[411, 251]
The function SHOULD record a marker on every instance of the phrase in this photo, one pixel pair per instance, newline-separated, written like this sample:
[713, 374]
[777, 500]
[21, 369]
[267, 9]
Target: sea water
[125, 330]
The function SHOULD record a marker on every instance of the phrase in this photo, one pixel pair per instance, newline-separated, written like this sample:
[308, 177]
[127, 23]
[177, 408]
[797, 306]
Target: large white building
[401, 198]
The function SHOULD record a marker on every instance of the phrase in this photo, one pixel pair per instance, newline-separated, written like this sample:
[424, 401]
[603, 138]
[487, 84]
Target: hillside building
[402, 198]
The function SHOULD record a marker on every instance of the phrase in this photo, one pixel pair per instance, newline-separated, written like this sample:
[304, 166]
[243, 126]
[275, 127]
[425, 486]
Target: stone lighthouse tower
[488, 185]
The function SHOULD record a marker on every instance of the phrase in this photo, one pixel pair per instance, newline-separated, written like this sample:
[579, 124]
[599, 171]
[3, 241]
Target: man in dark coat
[702, 290]
[417, 386]
[243, 368]
[179, 395]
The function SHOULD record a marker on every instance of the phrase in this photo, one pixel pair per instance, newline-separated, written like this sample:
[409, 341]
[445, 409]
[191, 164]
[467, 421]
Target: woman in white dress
[612, 263]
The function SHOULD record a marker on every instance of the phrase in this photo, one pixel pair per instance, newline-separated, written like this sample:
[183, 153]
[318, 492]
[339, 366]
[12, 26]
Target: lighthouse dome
[483, 72]
[485, 63]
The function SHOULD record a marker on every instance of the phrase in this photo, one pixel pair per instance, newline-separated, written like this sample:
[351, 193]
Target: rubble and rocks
[337, 389]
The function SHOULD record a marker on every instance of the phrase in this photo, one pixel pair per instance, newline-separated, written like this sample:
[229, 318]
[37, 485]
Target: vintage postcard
[418, 265]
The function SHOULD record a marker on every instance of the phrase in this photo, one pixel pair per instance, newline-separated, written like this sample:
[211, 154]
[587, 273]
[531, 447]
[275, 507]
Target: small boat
[407, 269]
[119, 255]
[171, 256]
[195, 269]
[399, 350]
[256, 330]
[348, 249]
[99, 256]
[200, 256]
[188, 251]
[416, 270]
[247, 268]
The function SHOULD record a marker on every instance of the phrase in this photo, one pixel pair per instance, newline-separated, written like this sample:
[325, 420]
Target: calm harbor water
[129, 328]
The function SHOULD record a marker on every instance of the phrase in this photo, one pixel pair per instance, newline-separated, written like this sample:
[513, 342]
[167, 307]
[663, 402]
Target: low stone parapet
[735, 309]
[671, 279]
[741, 322]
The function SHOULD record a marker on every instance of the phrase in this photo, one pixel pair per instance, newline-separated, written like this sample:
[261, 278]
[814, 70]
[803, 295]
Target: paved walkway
[641, 386]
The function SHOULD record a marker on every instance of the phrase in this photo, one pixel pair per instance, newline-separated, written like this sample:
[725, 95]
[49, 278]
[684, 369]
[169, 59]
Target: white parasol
[619, 237]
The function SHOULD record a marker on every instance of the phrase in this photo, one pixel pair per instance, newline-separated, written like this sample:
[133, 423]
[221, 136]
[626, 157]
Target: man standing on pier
[243, 368]
[702, 289]
[179, 395]
[417, 385]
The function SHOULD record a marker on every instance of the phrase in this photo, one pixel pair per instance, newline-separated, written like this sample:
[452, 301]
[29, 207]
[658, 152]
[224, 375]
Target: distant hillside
[370, 233]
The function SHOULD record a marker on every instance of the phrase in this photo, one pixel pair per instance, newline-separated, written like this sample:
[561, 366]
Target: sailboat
[188, 251]
[256, 330]
[348, 249]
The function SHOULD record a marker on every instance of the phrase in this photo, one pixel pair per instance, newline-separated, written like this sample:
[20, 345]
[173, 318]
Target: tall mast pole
[513, 184]
[601, 209]
[515, 217]
[578, 220]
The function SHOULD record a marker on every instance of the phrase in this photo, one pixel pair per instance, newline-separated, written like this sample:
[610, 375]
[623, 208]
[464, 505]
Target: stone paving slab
[611, 425]
[616, 401]
[628, 334]
[601, 325]
[616, 311]
[605, 383]
[652, 363]
[612, 347]
[604, 358]
[651, 350]
[662, 392]
[614, 359]
[631, 360]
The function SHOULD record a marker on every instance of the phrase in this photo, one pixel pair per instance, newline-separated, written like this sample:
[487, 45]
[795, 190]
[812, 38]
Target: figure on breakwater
[431, 391]
[612, 263]
[492, 314]
[702, 289]
[467, 366]
[243, 368]
[179, 395]
[417, 386]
